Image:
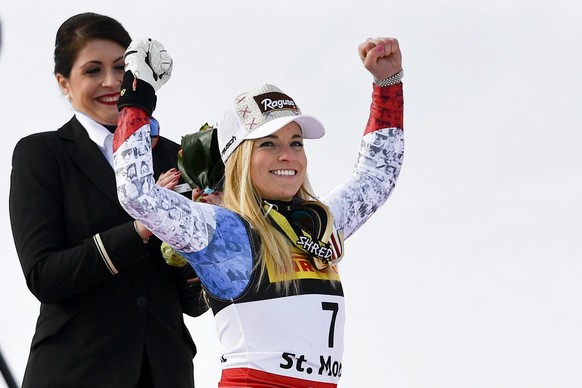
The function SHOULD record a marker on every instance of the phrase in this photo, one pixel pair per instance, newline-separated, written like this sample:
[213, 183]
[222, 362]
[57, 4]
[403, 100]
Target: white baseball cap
[261, 112]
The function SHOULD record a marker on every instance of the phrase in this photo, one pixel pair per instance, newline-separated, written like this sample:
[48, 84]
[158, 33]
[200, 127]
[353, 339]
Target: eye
[297, 143]
[93, 71]
[266, 143]
[120, 68]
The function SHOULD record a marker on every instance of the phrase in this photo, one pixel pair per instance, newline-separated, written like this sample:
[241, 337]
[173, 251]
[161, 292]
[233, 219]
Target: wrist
[387, 108]
[136, 92]
[392, 80]
[142, 231]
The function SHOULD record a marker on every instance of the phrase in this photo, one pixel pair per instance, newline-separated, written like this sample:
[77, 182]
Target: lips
[284, 172]
[109, 99]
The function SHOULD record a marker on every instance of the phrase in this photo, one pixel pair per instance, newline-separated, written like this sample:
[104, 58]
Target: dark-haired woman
[111, 312]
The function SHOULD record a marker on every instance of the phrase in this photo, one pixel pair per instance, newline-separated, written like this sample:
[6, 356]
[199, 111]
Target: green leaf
[199, 160]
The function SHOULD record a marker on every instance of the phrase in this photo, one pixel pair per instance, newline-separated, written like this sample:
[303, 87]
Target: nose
[112, 78]
[287, 154]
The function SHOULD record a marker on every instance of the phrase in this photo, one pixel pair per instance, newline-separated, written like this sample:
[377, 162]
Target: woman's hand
[143, 232]
[381, 57]
[169, 179]
[213, 198]
[148, 60]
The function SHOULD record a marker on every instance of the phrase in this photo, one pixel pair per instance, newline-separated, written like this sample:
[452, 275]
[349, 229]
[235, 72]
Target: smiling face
[95, 80]
[279, 164]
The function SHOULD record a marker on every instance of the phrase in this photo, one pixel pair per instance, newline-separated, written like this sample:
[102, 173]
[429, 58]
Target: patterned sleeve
[354, 201]
[200, 232]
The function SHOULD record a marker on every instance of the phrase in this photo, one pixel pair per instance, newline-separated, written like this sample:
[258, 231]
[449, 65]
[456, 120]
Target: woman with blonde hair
[268, 257]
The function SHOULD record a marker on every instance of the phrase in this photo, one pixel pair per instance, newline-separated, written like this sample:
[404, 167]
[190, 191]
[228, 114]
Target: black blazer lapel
[88, 157]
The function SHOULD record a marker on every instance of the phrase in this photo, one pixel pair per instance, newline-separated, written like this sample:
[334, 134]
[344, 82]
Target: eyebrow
[273, 136]
[96, 62]
[92, 62]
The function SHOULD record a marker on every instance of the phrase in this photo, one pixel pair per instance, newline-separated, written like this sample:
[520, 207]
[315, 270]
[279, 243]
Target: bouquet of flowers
[199, 160]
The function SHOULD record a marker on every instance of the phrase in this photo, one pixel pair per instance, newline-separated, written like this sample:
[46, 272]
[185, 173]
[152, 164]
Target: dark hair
[76, 31]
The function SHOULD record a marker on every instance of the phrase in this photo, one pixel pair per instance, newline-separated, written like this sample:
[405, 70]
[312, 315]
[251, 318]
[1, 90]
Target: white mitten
[148, 60]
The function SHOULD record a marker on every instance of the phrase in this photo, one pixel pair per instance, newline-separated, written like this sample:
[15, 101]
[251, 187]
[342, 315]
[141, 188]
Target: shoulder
[36, 141]
[65, 131]
[42, 143]
[167, 145]
[166, 149]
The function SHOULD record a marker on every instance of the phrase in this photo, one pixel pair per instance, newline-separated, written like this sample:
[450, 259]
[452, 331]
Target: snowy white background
[471, 275]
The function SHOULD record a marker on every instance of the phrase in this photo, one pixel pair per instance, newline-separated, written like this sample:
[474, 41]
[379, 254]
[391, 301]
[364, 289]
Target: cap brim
[312, 128]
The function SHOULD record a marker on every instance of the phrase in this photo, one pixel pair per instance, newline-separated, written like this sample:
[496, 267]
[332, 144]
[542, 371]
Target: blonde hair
[241, 196]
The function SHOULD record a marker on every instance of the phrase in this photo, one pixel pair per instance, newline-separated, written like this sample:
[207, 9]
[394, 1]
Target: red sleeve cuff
[130, 119]
[387, 108]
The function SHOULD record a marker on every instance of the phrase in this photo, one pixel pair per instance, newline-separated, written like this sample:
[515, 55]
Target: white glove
[148, 60]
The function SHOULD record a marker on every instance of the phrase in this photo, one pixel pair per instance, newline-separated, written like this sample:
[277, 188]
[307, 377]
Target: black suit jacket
[95, 327]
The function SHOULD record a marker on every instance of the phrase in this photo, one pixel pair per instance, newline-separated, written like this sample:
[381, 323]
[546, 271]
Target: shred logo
[323, 251]
[269, 102]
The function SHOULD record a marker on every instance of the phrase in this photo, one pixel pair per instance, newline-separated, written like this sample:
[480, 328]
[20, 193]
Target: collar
[283, 207]
[97, 132]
